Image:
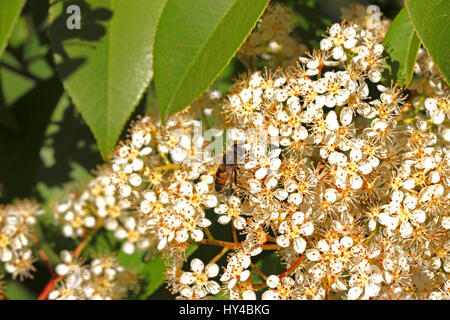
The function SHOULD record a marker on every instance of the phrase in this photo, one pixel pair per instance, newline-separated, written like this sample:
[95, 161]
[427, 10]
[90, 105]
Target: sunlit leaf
[9, 14]
[195, 41]
[431, 21]
[107, 64]
[402, 46]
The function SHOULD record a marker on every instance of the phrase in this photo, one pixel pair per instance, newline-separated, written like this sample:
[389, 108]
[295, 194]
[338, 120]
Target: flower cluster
[340, 181]
[108, 201]
[352, 192]
[17, 237]
[430, 93]
[335, 176]
[102, 279]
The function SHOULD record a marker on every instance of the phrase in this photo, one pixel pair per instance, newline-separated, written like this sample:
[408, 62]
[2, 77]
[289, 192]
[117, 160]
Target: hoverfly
[226, 174]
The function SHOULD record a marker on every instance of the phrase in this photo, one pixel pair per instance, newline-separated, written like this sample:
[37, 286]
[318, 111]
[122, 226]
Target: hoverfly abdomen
[223, 174]
[228, 168]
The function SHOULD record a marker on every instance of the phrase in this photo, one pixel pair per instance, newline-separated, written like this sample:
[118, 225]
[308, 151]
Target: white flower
[236, 269]
[365, 281]
[264, 163]
[196, 284]
[339, 38]
[279, 289]
[292, 230]
[231, 212]
[133, 235]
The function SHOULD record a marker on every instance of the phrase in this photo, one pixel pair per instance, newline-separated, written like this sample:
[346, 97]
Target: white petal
[298, 217]
[354, 293]
[346, 116]
[355, 154]
[187, 278]
[62, 269]
[204, 223]
[331, 121]
[197, 265]
[406, 229]
[307, 229]
[371, 290]
[295, 198]
[323, 246]
[248, 295]
[313, 255]
[224, 219]
[275, 164]
[162, 244]
[419, 216]
[212, 270]
[135, 179]
[299, 245]
[346, 242]
[239, 223]
[260, 173]
[197, 235]
[128, 247]
[213, 287]
[232, 283]
[331, 195]
[273, 131]
[283, 241]
[338, 53]
[182, 235]
[137, 164]
[365, 167]
[356, 182]
[245, 275]
[273, 281]
[270, 295]
[186, 292]
[281, 194]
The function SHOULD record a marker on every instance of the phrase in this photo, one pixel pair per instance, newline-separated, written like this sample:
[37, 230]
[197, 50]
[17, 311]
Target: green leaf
[20, 34]
[107, 64]
[195, 40]
[18, 291]
[14, 83]
[431, 21]
[68, 153]
[269, 263]
[402, 46]
[9, 14]
[103, 242]
[20, 149]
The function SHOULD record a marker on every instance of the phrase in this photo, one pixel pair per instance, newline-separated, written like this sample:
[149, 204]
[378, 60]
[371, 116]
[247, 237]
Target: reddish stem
[292, 267]
[234, 235]
[55, 278]
[219, 255]
[256, 269]
[270, 246]
[48, 288]
[219, 243]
